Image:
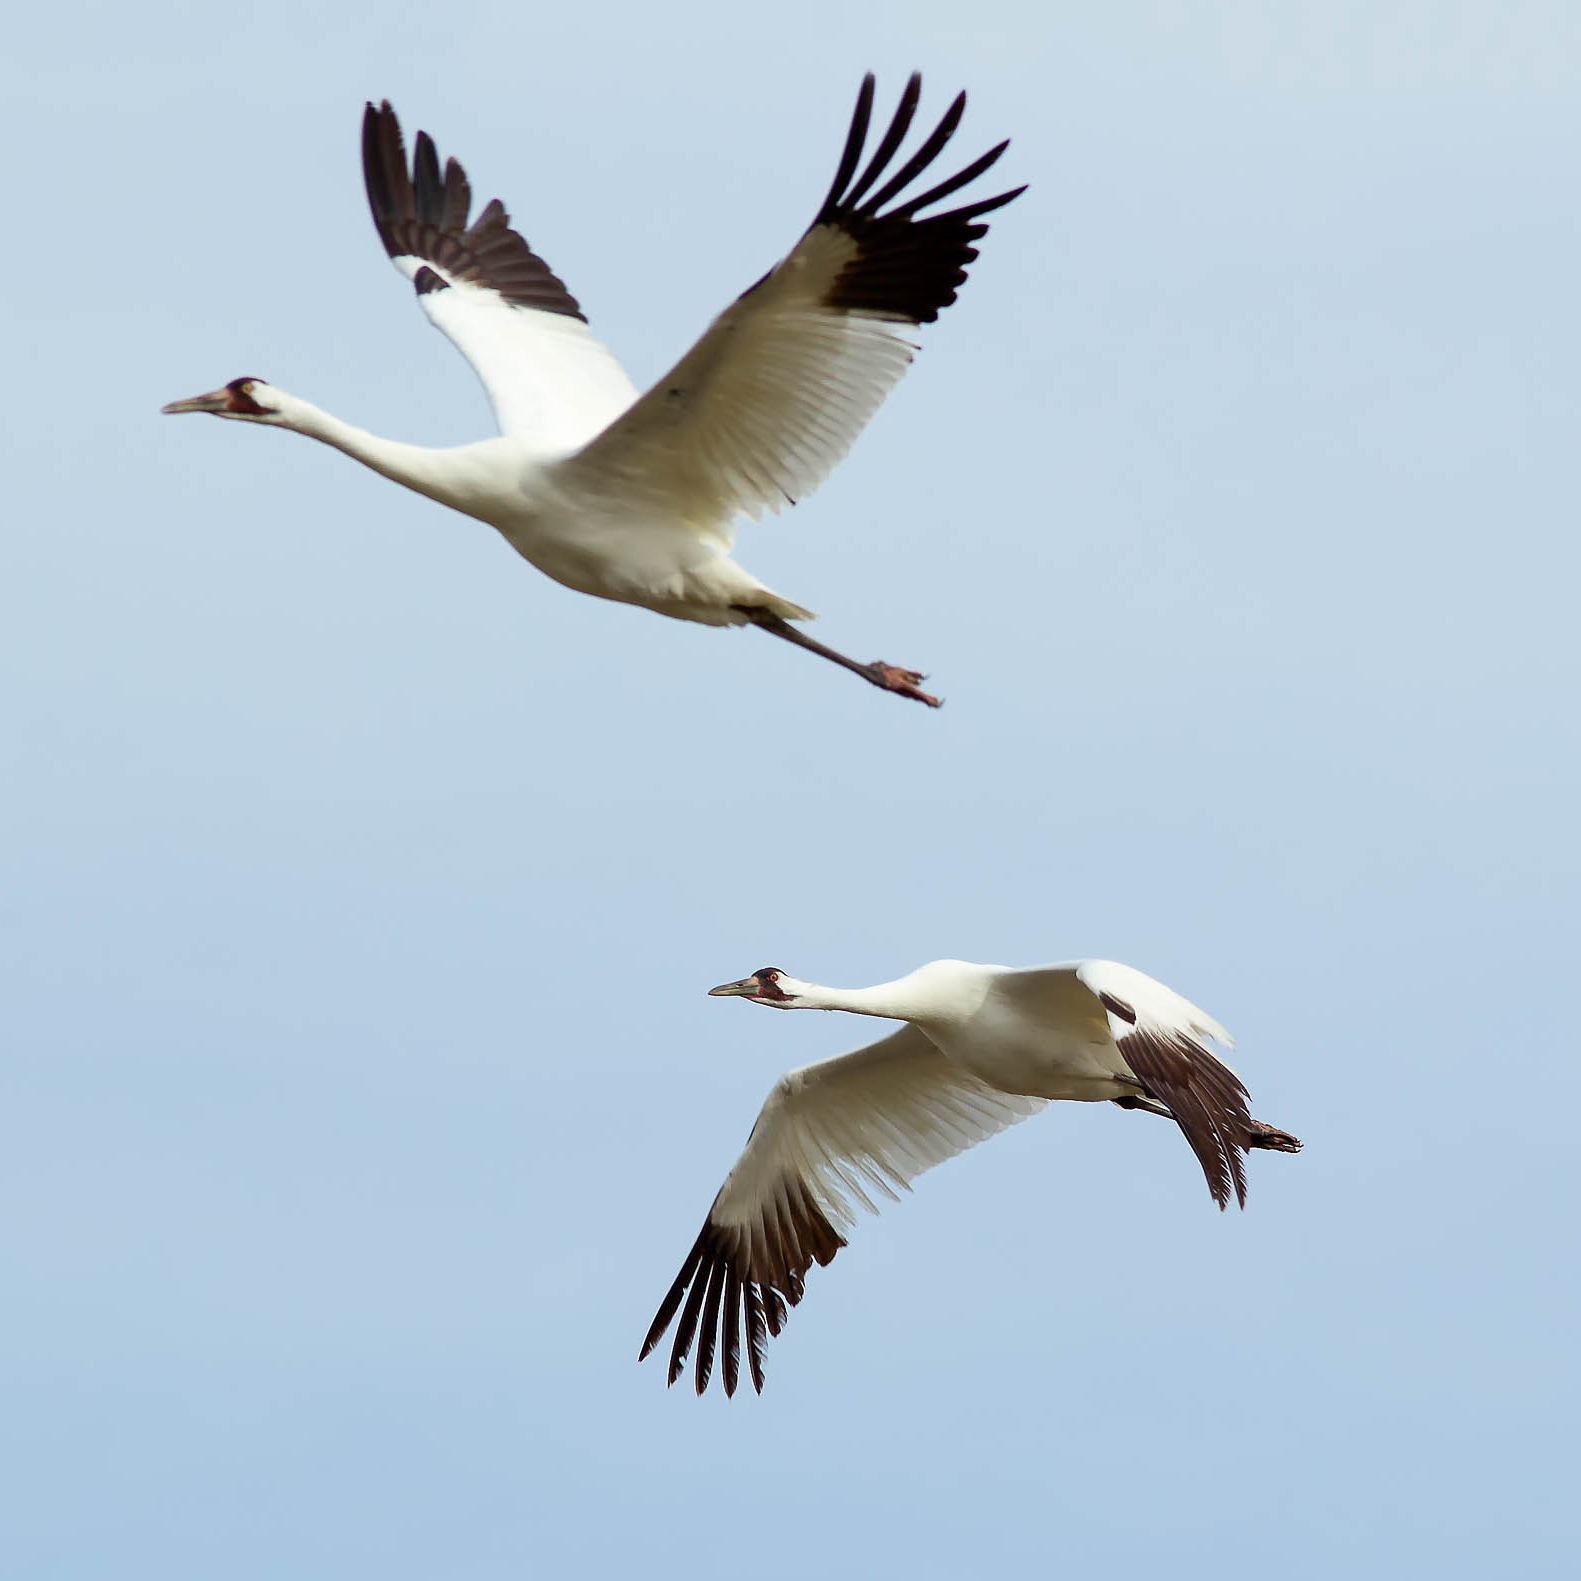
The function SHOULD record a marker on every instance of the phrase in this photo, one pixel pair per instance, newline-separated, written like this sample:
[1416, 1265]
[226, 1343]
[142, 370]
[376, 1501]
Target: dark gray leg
[1146, 1105]
[887, 677]
[1257, 1134]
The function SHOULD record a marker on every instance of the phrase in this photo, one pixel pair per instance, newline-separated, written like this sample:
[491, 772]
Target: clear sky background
[361, 886]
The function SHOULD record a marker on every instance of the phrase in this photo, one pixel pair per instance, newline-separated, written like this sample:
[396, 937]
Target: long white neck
[449, 476]
[895, 1001]
[934, 997]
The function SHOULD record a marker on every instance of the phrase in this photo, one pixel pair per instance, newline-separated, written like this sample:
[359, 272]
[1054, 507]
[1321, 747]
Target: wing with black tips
[829, 1137]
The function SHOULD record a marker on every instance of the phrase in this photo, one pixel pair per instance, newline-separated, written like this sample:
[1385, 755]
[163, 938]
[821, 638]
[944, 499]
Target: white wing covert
[829, 1137]
[777, 390]
[550, 382]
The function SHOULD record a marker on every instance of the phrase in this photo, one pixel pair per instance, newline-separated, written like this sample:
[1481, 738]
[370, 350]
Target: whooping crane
[630, 497]
[984, 1046]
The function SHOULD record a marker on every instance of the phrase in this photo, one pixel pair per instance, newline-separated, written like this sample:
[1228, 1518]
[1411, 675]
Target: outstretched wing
[827, 1135]
[1160, 1037]
[551, 384]
[757, 413]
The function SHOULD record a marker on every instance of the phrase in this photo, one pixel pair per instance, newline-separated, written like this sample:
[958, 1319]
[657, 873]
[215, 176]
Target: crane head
[768, 985]
[246, 398]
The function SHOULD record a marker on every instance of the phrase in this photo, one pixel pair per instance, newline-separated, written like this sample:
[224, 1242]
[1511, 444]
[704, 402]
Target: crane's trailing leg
[887, 677]
[1257, 1134]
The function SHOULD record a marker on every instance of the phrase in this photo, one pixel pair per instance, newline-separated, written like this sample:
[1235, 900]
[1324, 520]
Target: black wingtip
[420, 210]
[909, 265]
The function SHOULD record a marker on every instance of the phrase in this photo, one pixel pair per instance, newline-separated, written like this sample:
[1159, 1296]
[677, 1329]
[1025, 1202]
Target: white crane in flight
[630, 496]
[983, 1047]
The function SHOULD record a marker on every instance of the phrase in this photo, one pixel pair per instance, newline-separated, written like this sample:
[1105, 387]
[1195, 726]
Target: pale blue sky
[362, 886]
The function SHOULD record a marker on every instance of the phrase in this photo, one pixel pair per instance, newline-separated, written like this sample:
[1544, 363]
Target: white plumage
[984, 1046]
[634, 498]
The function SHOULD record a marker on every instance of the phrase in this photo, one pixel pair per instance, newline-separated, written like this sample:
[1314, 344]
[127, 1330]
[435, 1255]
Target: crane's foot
[903, 682]
[1276, 1141]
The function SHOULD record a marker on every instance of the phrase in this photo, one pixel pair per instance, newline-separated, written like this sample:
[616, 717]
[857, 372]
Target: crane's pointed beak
[747, 985]
[214, 401]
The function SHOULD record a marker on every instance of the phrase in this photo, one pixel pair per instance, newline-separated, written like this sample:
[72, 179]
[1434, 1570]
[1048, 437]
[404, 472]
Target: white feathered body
[596, 538]
[1040, 1032]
